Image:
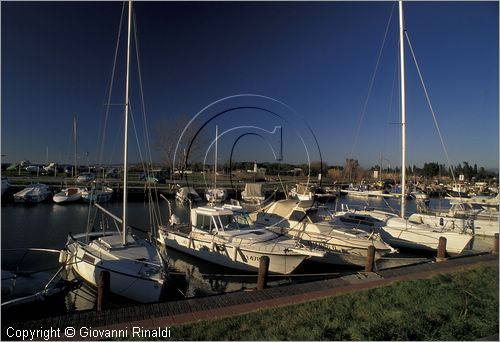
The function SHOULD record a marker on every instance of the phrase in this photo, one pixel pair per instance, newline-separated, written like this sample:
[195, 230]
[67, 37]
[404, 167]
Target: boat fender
[63, 256]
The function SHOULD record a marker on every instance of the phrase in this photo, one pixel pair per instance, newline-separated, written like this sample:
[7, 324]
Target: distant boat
[186, 194]
[253, 193]
[33, 169]
[69, 194]
[308, 192]
[66, 195]
[85, 177]
[33, 193]
[216, 195]
[98, 195]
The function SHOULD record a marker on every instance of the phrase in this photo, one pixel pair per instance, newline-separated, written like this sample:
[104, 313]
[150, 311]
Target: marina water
[46, 225]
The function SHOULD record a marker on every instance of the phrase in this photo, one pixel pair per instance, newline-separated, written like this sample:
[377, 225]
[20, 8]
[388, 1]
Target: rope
[370, 87]
[430, 106]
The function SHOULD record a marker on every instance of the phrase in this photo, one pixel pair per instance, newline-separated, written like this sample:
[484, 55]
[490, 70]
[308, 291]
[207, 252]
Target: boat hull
[424, 239]
[231, 256]
[125, 275]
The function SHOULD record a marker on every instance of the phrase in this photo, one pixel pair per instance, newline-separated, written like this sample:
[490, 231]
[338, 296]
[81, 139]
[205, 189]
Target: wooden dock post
[495, 245]
[103, 290]
[370, 258]
[441, 252]
[263, 271]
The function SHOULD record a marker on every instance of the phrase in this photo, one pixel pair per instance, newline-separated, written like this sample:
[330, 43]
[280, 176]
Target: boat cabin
[218, 219]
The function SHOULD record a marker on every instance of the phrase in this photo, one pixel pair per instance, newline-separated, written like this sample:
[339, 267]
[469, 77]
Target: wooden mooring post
[263, 271]
[495, 245]
[441, 252]
[370, 258]
[103, 290]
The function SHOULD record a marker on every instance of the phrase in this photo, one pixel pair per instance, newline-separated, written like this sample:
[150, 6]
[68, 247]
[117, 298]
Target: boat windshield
[237, 221]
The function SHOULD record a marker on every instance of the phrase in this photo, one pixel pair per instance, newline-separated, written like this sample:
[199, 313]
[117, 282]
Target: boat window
[236, 221]
[204, 223]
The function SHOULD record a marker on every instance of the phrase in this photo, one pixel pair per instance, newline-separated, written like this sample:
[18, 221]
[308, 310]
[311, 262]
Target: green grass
[459, 306]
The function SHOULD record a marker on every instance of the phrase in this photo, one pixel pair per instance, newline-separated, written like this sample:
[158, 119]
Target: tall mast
[125, 143]
[215, 167]
[403, 110]
[74, 141]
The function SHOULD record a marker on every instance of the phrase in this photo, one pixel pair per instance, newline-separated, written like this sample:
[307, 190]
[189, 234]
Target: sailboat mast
[215, 167]
[125, 143]
[74, 137]
[403, 110]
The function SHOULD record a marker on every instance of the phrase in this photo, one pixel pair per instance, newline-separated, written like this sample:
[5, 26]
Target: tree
[168, 134]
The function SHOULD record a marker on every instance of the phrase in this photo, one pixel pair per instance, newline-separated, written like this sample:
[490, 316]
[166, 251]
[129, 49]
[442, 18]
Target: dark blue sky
[318, 58]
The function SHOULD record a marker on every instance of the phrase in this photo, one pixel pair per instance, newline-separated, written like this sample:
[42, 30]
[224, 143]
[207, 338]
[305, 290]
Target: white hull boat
[222, 235]
[68, 195]
[216, 195]
[316, 228]
[402, 233]
[97, 195]
[186, 194]
[33, 193]
[135, 268]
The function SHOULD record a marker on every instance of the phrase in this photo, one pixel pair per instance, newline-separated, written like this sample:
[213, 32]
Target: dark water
[46, 225]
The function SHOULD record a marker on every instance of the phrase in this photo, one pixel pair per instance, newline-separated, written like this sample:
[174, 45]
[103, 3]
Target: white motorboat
[134, 264]
[316, 227]
[217, 195]
[186, 194]
[67, 195]
[253, 193]
[308, 192]
[85, 177]
[405, 233]
[488, 203]
[467, 217]
[33, 193]
[224, 236]
[365, 191]
[97, 194]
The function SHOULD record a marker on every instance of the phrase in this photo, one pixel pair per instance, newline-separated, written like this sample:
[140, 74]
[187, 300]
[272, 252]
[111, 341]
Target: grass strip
[457, 306]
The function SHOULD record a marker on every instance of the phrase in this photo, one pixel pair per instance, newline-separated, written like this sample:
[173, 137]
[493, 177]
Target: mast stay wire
[372, 81]
[430, 107]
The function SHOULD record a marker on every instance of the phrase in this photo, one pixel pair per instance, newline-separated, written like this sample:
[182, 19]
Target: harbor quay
[156, 320]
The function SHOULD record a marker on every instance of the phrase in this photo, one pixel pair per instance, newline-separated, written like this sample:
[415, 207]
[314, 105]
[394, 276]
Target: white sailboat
[70, 194]
[134, 264]
[398, 231]
[216, 195]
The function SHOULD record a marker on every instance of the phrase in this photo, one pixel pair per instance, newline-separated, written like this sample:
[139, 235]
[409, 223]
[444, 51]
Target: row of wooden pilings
[103, 289]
